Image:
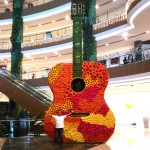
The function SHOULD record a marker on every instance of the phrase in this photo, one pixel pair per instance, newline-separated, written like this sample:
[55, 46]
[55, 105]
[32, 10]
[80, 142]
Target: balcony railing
[7, 7]
[107, 19]
[110, 62]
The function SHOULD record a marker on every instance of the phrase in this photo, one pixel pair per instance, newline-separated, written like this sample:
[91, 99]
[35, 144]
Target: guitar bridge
[80, 114]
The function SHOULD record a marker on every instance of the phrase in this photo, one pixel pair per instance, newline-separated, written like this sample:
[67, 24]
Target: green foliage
[89, 42]
[138, 56]
[90, 11]
[18, 4]
[138, 50]
[16, 63]
[17, 32]
[16, 39]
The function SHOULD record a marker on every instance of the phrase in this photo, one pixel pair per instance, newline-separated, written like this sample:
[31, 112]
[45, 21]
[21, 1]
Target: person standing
[130, 58]
[33, 75]
[59, 128]
[125, 61]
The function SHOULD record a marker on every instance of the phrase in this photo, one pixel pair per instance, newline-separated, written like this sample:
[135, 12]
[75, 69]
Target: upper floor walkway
[44, 51]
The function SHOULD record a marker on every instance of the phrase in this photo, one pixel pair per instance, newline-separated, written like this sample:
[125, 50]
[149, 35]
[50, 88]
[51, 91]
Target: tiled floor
[40, 143]
[124, 138]
[127, 138]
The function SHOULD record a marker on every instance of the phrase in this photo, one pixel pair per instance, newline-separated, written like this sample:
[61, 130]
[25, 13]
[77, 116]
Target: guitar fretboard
[77, 47]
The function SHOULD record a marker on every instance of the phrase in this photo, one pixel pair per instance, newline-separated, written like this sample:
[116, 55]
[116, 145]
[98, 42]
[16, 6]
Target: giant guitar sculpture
[80, 87]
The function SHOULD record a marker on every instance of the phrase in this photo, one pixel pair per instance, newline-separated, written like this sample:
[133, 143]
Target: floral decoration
[99, 125]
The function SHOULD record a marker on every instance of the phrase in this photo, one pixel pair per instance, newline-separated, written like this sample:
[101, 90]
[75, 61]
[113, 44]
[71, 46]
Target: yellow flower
[89, 82]
[70, 131]
[108, 120]
[54, 73]
[64, 107]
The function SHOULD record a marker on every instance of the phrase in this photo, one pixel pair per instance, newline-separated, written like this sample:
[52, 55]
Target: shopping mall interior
[122, 34]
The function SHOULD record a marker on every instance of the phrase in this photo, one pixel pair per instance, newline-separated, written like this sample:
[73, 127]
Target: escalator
[33, 100]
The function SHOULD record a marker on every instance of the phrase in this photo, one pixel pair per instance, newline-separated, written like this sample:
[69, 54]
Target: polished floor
[124, 138]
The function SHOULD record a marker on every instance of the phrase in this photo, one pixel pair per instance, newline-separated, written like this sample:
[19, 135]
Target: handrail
[17, 77]
[13, 79]
[42, 93]
[118, 60]
[30, 3]
[102, 59]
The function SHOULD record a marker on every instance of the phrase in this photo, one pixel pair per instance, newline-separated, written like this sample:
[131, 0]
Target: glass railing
[37, 89]
[38, 93]
[111, 60]
[110, 14]
[11, 127]
[4, 129]
[7, 6]
[63, 33]
[119, 60]
[38, 73]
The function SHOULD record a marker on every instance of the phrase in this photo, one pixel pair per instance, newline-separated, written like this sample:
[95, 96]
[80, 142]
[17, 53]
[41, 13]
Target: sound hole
[78, 84]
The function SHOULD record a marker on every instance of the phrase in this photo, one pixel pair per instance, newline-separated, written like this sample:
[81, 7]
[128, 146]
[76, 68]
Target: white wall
[139, 102]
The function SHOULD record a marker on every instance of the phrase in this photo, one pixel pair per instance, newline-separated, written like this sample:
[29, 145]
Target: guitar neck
[77, 47]
[77, 14]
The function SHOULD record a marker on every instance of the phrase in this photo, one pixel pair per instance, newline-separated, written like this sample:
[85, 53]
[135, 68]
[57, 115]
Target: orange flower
[100, 124]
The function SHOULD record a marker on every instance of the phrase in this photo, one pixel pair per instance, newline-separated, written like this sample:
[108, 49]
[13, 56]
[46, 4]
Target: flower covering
[99, 125]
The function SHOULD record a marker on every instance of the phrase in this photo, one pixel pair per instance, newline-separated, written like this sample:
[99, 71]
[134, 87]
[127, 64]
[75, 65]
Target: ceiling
[60, 21]
[116, 42]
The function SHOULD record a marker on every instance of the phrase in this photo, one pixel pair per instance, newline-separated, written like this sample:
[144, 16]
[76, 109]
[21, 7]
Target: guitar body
[99, 125]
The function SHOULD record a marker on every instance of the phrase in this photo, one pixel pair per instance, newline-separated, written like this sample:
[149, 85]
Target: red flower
[95, 133]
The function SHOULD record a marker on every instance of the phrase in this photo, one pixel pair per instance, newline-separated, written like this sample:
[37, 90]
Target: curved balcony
[62, 39]
[114, 72]
[108, 20]
[112, 63]
[130, 4]
[31, 7]
[63, 35]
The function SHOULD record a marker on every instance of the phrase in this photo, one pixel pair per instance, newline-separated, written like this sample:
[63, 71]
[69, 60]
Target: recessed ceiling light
[97, 6]
[67, 17]
[147, 31]
[107, 44]
[6, 2]
[125, 34]
[53, 21]
[39, 24]
[56, 53]
[126, 39]
[29, 57]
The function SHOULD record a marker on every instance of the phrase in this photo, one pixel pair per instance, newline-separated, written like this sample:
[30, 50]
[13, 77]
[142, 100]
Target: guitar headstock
[77, 8]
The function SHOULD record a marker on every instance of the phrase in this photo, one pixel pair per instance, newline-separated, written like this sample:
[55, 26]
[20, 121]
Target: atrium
[122, 28]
